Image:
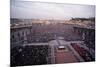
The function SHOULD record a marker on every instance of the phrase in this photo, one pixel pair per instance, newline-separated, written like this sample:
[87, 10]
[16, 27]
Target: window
[18, 35]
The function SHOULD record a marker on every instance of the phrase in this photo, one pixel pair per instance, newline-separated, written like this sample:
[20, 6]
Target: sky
[43, 10]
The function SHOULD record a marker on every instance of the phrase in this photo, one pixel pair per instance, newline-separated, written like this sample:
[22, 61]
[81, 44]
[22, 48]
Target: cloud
[28, 9]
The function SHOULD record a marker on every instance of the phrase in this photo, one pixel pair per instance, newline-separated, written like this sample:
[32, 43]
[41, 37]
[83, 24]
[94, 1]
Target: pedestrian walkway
[61, 42]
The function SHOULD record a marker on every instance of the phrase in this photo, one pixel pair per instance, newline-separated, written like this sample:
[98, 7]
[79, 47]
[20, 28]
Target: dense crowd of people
[29, 55]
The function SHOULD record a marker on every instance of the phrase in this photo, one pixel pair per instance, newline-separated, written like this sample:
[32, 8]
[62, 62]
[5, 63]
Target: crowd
[29, 55]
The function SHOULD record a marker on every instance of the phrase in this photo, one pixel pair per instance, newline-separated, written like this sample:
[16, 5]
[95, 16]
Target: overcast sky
[41, 10]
